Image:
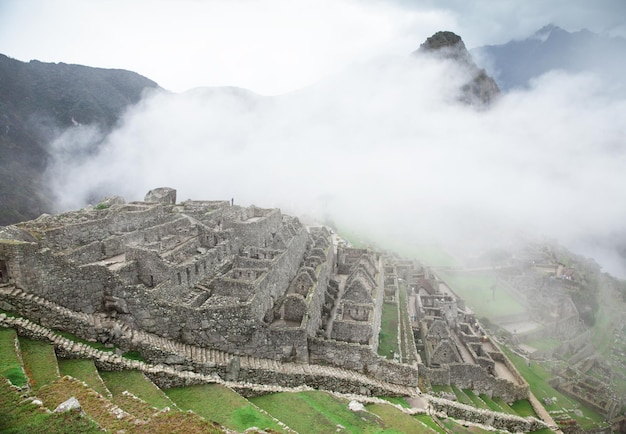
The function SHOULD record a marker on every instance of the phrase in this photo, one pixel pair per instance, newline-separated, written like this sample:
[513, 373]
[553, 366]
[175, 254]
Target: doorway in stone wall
[4, 272]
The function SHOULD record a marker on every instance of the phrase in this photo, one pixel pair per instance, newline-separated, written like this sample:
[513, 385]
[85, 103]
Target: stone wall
[361, 358]
[475, 377]
[500, 421]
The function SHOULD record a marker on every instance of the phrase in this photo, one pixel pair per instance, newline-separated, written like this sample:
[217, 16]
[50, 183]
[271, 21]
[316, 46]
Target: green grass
[504, 405]
[396, 400]
[478, 291]
[394, 420]
[18, 416]
[523, 408]
[461, 396]
[222, 405]
[138, 384]
[40, 362]
[10, 365]
[442, 388]
[315, 412]
[133, 355]
[388, 337]
[476, 401]
[428, 422]
[492, 404]
[96, 345]
[84, 370]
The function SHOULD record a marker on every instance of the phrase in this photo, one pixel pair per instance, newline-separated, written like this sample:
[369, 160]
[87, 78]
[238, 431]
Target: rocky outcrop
[481, 90]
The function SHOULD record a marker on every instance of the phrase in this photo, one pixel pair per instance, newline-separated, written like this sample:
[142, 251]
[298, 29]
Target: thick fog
[384, 149]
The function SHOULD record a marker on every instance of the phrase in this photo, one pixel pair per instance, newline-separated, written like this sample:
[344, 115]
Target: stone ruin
[210, 291]
[245, 281]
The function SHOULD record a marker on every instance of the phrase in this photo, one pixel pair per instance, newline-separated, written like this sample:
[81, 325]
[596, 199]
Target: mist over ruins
[208, 292]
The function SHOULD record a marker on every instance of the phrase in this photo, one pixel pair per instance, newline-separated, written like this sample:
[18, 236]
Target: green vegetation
[487, 297]
[492, 404]
[102, 206]
[10, 366]
[95, 345]
[461, 396]
[523, 408]
[133, 355]
[138, 384]
[476, 401]
[388, 337]
[316, 412]
[218, 403]
[396, 400]
[84, 370]
[428, 422]
[394, 420]
[19, 416]
[40, 362]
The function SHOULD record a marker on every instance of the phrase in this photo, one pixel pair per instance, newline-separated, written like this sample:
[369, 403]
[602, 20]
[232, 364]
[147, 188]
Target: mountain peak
[481, 90]
[446, 44]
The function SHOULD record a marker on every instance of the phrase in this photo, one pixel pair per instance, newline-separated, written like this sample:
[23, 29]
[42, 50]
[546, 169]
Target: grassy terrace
[487, 297]
[218, 403]
[136, 383]
[10, 365]
[40, 362]
[388, 338]
[84, 370]
[19, 416]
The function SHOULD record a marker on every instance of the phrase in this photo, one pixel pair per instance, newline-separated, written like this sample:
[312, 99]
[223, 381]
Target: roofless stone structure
[242, 281]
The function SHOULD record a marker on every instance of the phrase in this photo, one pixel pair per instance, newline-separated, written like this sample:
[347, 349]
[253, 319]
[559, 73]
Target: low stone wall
[362, 359]
[496, 420]
[467, 376]
[177, 374]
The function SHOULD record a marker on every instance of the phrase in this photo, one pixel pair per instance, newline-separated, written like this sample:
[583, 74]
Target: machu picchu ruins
[209, 291]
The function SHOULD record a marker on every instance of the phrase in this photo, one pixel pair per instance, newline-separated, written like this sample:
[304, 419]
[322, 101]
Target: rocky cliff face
[481, 90]
[37, 101]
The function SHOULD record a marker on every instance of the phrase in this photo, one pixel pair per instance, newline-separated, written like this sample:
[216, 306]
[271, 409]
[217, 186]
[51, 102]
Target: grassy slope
[319, 412]
[388, 337]
[84, 370]
[218, 403]
[40, 362]
[138, 384]
[19, 416]
[10, 365]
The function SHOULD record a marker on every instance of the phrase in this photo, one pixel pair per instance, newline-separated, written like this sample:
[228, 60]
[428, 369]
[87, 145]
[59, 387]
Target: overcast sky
[269, 46]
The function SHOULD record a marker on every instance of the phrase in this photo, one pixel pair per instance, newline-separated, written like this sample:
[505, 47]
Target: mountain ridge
[37, 101]
[517, 62]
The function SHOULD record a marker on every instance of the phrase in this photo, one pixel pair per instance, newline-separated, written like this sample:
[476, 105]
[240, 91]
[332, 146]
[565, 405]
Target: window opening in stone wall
[151, 281]
[179, 279]
[4, 272]
[188, 275]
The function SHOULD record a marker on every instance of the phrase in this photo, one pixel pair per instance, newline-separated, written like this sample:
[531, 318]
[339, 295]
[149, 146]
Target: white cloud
[384, 148]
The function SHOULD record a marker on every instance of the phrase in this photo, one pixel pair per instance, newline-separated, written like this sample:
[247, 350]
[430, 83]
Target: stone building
[246, 281]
